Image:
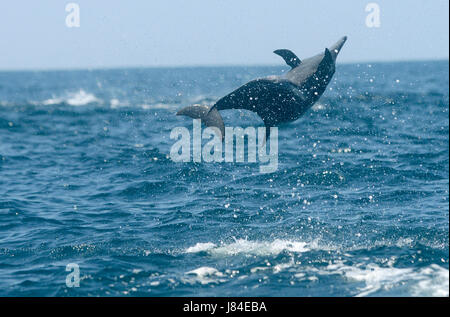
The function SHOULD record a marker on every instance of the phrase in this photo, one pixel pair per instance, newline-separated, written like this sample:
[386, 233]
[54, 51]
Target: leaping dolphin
[276, 99]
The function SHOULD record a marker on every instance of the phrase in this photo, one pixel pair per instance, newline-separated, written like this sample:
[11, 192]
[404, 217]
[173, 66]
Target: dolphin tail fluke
[209, 116]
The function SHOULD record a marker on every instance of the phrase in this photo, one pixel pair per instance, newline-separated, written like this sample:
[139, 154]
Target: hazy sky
[115, 33]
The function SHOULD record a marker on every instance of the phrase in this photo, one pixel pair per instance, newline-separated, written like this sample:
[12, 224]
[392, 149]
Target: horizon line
[163, 66]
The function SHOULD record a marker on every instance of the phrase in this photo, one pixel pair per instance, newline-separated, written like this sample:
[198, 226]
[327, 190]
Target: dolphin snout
[335, 49]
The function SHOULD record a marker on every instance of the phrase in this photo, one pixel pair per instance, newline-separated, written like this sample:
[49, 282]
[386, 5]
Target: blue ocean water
[359, 205]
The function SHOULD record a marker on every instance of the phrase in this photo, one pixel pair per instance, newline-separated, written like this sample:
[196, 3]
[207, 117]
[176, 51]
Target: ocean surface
[359, 204]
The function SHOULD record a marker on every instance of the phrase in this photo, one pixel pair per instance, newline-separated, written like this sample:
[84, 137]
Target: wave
[79, 98]
[83, 98]
[432, 280]
[204, 275]
[246, 247]
[372, 278]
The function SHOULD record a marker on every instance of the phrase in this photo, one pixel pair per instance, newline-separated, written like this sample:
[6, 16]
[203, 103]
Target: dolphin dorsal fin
[289, 57]
[326, 61]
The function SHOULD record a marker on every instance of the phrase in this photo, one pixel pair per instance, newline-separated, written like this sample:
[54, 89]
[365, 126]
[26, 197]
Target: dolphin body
[276, 99]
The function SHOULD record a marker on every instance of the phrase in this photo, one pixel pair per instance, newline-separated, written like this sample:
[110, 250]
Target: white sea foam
[371, 278]
[204, 275]
[114, 103]
[52, 101]
[429, 281]
[200, 247]
[246, 247]
[434, 281]
[79, 98]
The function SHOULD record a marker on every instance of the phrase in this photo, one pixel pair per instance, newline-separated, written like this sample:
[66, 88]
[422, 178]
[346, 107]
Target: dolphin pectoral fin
[209, 116]
[289, 57]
